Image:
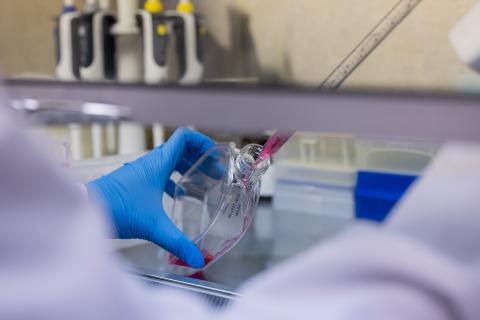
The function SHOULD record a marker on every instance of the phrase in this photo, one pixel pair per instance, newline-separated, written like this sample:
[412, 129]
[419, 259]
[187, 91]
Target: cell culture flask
[215, 201]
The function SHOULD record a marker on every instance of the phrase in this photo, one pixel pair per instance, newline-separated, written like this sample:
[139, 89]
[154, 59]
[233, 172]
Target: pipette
[379, 33]
[273, 144]
[371, 41]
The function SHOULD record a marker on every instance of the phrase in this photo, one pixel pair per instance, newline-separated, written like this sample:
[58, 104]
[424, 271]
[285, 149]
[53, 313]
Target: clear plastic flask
[215, 201]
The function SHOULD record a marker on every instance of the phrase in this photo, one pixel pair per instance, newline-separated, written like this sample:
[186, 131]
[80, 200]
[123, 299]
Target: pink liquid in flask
[207, 257]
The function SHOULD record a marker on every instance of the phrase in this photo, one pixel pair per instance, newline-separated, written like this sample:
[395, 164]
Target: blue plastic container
[376, 193]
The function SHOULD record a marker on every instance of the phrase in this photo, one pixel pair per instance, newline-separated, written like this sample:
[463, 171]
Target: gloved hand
[133, 194]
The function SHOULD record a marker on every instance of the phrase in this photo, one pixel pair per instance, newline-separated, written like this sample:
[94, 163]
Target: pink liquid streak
[276, 141]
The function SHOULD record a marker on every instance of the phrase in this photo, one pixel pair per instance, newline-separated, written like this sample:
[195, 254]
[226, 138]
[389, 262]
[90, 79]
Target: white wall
[292, 41]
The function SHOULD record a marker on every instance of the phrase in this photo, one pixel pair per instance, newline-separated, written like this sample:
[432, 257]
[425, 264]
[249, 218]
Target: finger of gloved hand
[169, 237]
[197, 145]
[183, 166]
[213, 167]
[210, 166]
[174, 190]
[170, 188]
[185, 142]
[194, 153]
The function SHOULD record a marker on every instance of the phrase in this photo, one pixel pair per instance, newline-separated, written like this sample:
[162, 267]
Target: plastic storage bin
[313, 197]
[307, 211]
[377, 193]
[318, 150]
[387, 168]
[394, 156]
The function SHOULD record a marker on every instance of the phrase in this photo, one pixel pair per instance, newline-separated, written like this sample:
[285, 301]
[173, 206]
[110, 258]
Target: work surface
[260, 249]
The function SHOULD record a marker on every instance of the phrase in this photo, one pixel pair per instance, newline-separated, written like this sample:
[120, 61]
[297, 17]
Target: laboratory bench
[249, 257]
[254, 254]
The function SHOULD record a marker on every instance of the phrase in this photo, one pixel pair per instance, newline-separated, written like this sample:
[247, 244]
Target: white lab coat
[422, 264]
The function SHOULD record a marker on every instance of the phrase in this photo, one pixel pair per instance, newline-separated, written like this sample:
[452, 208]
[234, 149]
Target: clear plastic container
[394, 156]
[215, 201]
[308, 149]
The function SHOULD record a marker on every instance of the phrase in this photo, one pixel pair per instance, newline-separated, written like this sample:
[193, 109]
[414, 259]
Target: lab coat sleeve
[422, 264]
[54, 260]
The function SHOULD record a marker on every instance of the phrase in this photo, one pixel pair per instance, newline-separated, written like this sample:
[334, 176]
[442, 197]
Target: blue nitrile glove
[133, 194]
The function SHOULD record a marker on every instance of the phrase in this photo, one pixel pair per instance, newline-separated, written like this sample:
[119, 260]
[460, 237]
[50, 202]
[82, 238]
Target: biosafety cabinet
[370, 95]
[349, 149]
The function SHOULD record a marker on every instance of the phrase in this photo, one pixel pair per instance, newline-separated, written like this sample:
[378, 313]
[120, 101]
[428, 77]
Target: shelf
[398, 115]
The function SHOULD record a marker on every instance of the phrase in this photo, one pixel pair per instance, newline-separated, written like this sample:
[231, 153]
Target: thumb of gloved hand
[133, 194]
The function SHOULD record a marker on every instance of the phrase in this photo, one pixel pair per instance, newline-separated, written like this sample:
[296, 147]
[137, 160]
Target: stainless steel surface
[250, 257]
[411, 116]
[216, 295]
[67, 111]
[194, 285]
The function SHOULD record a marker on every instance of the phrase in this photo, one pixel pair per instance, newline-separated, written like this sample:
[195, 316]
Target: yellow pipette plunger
[153, 6]
[185, 6]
